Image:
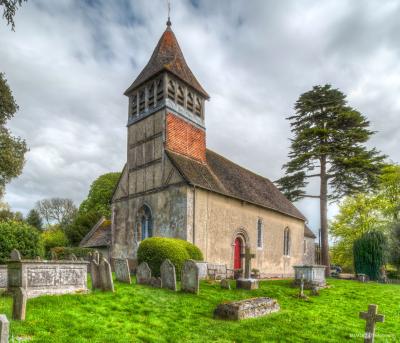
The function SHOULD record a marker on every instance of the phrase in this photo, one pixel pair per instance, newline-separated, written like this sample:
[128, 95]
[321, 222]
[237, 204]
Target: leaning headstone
[107, 283]
[73, 257]
[95, 274]
[143, 274]
[19, 303]
[248, 308]
[15, 255]
[190, 277]
[155, 282]
[371, 317]
[4, 328]
[168, 275]
[225, 284]
[96, 256]
[122, 272]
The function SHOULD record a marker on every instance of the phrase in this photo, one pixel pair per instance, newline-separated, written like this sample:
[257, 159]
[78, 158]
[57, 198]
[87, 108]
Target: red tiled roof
[168, 56]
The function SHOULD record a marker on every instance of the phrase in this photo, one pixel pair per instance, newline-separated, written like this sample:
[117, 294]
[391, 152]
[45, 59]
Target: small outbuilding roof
[98, 236]
[221, 175]
[308, 233]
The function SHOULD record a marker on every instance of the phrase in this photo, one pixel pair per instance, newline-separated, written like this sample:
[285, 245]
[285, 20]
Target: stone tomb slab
[248, 308]
[313, 275]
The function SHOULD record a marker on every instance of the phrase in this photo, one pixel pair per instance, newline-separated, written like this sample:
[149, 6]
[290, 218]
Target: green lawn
[137, 313]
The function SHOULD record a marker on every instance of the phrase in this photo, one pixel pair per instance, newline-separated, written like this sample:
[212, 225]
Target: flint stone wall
[48, 277]
[3, 276]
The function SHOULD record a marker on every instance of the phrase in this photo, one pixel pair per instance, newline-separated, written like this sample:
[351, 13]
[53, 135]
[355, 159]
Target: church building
[173, 186]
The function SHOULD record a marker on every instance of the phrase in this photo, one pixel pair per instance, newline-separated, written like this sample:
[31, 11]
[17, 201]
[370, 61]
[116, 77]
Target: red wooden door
[237, 263]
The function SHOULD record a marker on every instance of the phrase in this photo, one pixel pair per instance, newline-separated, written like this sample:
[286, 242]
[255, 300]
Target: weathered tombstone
[371, 317]
[168, 275]
[95, 274]
[247, 282]
[107, 283]
[190, 277]
[122, 272]
[225, 284]
[143, 274]
[248, 308]
[19, 303]
[155, 282]
[53, 256]
[4, 328]
[15, 255]
[96, 256]
[73, 257]
[314, 275]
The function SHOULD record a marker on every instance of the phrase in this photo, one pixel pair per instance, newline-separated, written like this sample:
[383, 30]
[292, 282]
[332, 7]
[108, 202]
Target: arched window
[142, 100]
[190, 102]
[144, 224]
[171, 90]
[260, 233]
[286, 242]
[150, 92]
[197, 108]
[180, 96]
[160, 90]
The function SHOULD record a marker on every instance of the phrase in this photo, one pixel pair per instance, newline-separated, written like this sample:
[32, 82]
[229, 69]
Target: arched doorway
[238, 248]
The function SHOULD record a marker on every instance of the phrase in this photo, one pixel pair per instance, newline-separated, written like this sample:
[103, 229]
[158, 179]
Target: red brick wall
[184, 138]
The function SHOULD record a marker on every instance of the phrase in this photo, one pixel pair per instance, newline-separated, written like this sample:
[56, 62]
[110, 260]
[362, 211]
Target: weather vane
[169, 13]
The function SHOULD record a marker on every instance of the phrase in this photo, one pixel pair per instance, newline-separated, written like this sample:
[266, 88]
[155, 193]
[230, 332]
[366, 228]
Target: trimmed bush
[20, 236]
[155, 250]
[52, 238]
[63, 253]
[370, 254]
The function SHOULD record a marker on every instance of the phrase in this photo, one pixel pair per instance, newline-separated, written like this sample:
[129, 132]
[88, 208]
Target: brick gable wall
[184, 138]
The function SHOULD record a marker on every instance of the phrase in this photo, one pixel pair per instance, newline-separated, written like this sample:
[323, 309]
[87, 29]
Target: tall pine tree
[328, 144]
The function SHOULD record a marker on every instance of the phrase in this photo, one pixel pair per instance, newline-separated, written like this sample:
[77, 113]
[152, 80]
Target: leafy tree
[81, 225]
[10, 9]
[57, 210]
[370, 254]
[12, 149]
[389, 191]
[6, 214]
[34, 219]
[53, 237]
[21, 236]
[100, 193]
[328, 144]
[395, 245]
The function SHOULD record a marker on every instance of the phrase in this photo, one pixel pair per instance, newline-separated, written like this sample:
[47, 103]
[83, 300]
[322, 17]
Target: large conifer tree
[328, 144]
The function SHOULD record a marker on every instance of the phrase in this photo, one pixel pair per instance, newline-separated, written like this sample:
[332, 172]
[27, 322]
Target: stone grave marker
[225, 284]
[168, 275]
[143, 274]
[155, 282]
[96, 256]
[15, 255]
[247, 282]
[248, 308]
[53, 256]
[122, 272]
[19, 303]
[4, 328]
[107, 283]
[190, 277]
[73, 257]
[38, 258]
[95, 274]
[371, 317]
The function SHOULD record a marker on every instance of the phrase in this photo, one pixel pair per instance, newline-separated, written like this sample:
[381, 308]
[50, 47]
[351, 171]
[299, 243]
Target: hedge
[63, 253]
[20, 236]
[155, 250]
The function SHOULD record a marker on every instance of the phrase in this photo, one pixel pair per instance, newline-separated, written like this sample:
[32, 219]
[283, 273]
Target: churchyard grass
[138, 313]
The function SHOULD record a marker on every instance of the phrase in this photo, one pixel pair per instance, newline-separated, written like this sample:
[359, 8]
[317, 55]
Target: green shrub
[370, 254]
[63, 253]
[20, 236]
[155, 250]
[52, 238]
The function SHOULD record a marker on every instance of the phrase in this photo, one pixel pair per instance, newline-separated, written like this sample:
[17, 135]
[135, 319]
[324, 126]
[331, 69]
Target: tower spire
[169, 13]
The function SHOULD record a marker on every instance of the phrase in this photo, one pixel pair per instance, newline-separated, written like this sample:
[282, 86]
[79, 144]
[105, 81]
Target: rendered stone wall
[48, 277]
[3, 276]
[309, 255]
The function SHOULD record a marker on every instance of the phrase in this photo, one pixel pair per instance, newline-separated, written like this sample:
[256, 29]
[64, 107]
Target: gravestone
[3, 276]
[143, 274]
[371, 317]
[247, 282]
[4, 328]
[248, 308]
[190, 277]
[107, 283]
[96, 256]
[168, 275]
[225, 284]
[155, 282]
[53, 256]
[15, 255]
[314, 275]
[38, 258]
[122, 272]
[19, 303]
[95, 274]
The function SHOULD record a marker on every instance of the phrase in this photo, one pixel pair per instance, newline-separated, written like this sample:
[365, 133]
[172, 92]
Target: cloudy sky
[69, 62]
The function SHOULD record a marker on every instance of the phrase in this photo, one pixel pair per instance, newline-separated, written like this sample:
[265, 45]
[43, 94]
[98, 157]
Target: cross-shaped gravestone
[247, 262]
[371, 317]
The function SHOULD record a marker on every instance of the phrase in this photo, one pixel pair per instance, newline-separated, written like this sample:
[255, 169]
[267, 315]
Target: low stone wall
[3, 276]
[48, 277]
